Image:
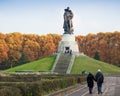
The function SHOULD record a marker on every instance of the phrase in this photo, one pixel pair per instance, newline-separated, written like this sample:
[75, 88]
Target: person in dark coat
[99, 79]
[90, 82]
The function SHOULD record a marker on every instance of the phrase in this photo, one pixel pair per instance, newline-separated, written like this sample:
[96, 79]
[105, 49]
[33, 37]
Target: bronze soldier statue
[68, 25]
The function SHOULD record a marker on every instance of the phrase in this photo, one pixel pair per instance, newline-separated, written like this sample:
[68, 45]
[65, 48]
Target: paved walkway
[111, 87]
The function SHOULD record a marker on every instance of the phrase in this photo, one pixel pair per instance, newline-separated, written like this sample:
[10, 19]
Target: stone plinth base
[68, 43]
[68, 37]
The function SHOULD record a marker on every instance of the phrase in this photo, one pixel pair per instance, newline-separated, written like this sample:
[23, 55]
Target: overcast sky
[46, 16]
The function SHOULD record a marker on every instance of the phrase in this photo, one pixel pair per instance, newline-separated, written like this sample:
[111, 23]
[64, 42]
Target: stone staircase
[63, 63]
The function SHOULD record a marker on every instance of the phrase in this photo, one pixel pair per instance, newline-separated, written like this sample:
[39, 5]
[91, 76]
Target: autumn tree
[14, 42]
[81, 43]
[106, 44]
[31, 50]
[17, 48]
[56, 39]
[47, 45]
[3, 49]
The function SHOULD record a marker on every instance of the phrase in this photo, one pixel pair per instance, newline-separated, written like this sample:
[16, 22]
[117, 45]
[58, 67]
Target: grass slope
[44, 64]
[80, 64]
[92, 65]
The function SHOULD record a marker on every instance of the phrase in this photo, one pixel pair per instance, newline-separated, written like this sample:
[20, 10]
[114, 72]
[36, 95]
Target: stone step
[60, 71]
[61, 68]
[63, 63]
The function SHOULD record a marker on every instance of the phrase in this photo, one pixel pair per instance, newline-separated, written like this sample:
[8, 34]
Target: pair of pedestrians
[99, 78]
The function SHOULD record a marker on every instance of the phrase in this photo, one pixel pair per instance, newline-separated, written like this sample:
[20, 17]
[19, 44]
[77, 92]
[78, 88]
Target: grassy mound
[80, 64]
[44, 64]
[92, 65]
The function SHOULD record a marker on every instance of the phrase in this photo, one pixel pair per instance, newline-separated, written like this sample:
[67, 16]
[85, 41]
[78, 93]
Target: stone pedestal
[68, 43]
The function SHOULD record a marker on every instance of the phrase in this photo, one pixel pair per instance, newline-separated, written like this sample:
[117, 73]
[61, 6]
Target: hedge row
[19, 78]
[37, 88]
[34, 77]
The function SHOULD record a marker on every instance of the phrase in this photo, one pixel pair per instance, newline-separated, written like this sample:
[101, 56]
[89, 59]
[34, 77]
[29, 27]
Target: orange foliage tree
[14, 42]
[3, 49]
[17, 48]
[107, 45]
[47, 45]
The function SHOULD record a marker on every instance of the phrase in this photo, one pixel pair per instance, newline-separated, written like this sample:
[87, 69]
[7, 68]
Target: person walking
[90, 82]
[99, 79]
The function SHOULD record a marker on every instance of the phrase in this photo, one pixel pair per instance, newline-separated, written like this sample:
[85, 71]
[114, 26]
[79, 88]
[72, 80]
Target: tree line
[102, 46]
[17, 48]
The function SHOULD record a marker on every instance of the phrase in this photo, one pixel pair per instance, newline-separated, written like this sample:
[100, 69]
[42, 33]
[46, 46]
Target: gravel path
[111, 87]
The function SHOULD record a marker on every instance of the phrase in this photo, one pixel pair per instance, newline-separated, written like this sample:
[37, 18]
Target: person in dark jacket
[99, 79]
[90, 82]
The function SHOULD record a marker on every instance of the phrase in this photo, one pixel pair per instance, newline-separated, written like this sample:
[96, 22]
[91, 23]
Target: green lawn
[44, 64]
[80, 64]
[92, 65]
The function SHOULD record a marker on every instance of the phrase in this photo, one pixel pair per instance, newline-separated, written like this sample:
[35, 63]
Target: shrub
[36, 86]
[10, 91]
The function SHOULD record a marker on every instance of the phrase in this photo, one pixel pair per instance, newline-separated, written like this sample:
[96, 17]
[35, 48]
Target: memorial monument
[68, 43]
